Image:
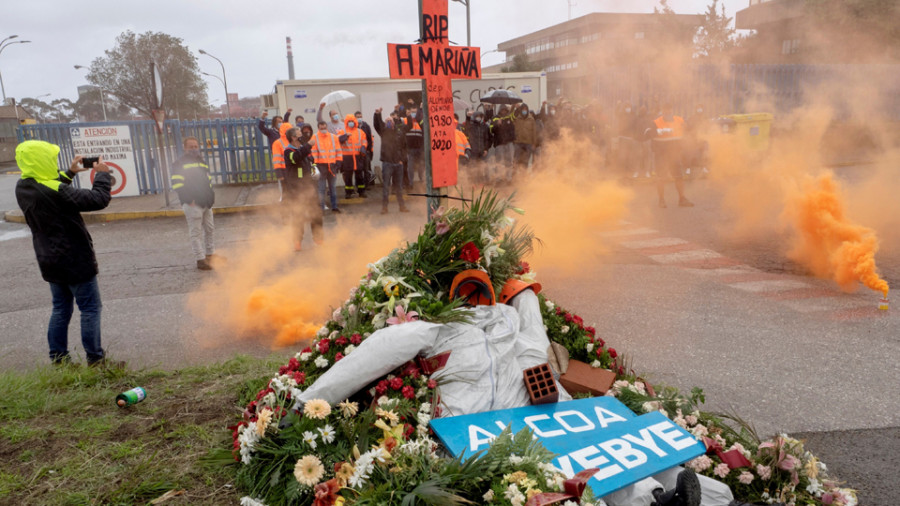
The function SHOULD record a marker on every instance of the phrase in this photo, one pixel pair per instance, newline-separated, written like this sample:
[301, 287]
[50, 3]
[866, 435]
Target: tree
[673, 42]
[716, 36]
[63, 110]
[521, 63]
[125, 73]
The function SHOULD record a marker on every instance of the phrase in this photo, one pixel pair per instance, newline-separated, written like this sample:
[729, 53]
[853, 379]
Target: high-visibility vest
[278, 148]
[326, 149]
[356, 141]
[462, 143]
[676, 126]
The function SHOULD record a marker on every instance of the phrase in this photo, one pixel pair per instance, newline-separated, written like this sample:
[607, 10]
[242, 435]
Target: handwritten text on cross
[437, 62]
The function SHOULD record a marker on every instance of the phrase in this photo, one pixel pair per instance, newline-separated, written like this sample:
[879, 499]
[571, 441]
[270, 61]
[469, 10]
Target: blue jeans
[87, 295]
[327, 179]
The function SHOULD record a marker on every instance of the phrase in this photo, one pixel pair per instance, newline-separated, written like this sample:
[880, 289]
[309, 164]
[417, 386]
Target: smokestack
[290, 57]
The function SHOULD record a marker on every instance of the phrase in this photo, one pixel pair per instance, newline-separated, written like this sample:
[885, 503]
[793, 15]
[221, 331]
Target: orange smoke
[567, 206]
[828, 243]
[271, 294]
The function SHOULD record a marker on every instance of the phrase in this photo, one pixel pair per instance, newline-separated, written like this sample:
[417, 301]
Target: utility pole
[469, 21]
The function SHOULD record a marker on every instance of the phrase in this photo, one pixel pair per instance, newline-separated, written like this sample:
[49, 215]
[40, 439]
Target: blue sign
[526, 89]
[300, 94]
[598, 432]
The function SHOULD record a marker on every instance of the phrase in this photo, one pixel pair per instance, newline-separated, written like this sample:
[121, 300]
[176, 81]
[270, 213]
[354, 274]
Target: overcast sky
[331, 39]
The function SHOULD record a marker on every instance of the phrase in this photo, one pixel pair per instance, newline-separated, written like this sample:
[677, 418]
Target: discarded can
[133, 396]
[883, 304]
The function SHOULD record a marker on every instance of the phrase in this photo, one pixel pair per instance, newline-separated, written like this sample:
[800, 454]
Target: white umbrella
[335, 98]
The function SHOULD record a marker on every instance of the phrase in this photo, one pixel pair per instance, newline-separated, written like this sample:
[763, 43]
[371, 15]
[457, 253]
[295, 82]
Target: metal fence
[235, 149]
[849, 90]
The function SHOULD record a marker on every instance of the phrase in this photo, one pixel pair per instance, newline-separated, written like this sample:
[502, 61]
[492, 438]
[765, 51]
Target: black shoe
[203, 265]
[105, 363]
[336, 210]
[685, 493]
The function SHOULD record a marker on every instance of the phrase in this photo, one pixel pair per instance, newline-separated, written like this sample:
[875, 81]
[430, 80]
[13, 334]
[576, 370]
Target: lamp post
[224, 81]
[35, 99]
[3, 45]
[468, 21]
[102, 102]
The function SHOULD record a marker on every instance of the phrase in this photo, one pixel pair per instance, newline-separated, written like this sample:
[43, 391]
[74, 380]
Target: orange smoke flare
[828, 243]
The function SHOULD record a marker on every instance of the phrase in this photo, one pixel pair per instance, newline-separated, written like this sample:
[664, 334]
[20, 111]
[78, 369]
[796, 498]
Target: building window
[638, 35]
[791, 46]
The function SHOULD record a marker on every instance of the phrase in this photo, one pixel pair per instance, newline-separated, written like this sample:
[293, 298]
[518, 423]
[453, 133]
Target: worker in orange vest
[668, 139]
[354, 144]
[463, 149]
[278, 148]
[328, 157]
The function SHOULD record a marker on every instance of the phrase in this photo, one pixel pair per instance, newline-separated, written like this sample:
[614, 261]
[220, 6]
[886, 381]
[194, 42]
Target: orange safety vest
[278, 148]
[415, 124]
[326, 148]
[462, 143]
[676, 125]
[356, 142]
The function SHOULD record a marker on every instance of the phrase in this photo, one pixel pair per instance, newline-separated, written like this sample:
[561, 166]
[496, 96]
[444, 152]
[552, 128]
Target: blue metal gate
[237, 152]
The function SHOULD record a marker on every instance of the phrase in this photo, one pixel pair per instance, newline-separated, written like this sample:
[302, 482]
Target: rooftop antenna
[572, 3]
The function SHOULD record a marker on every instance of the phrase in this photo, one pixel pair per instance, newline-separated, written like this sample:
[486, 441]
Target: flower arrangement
[377, 448]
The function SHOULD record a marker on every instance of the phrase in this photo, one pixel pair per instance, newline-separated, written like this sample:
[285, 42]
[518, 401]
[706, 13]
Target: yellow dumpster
[753, 129]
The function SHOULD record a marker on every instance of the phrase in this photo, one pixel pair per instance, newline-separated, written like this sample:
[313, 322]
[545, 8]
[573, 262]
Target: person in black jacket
[192, 182]
[300, 185]
[393, 152]
[62, 244]
[479, 134]
[273, 134]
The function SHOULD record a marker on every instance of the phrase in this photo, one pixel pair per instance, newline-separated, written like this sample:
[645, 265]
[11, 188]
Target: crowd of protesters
[497, 144]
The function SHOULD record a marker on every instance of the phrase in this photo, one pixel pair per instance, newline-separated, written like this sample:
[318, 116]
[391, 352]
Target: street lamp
[35, 99]
[102, 102]
[3, 45]
[224, 81]
[468, 21]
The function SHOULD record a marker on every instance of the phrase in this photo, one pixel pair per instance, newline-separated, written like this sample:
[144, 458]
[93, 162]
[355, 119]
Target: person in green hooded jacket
[62, 244]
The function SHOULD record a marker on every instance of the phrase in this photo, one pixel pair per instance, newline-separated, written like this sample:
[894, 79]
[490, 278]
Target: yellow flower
[317, 408]
[532, 492]
[811, 469]
[389, 415]
[344, 473]
[348, 409]
[309, 470]
[262, 421]
[395, 434]
[517, 477]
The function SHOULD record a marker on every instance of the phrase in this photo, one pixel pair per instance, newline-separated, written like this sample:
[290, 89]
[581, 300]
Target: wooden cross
[436, 62]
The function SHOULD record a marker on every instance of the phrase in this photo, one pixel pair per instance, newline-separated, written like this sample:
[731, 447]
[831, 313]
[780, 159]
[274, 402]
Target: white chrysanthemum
[589, 347]
[515, 459]
[322, 332]
[247, 438]
[268, 400]
[309, 437]
[488, 496]
[351, 309]
[363, 468]
[549, 304]
[304, 356]
[564, 329]
[327, 433]
[514, 495]
[334, 335]
[321, 362]
[349, 349]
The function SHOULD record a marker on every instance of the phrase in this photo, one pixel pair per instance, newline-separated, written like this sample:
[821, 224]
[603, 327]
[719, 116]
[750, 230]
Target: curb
[16, 216]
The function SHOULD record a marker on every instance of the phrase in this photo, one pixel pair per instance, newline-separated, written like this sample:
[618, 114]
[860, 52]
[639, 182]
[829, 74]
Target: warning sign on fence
[113, 143]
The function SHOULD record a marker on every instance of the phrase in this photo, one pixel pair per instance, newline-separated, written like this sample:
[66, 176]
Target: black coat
[393, 141]
[62, 244]
[191, 180]
[479, 135]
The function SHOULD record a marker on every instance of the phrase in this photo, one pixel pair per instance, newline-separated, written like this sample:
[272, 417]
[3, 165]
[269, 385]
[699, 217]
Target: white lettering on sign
[606, 417]
[669, 433]
[561, 418]
[475, 441]
[646, 441]
[530, 421]
[623, 452]
[591, 457]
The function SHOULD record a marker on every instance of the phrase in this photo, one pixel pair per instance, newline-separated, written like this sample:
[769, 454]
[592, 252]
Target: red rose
[338, 356]
[599, 351]
[437, 411]
[600, 342]
[306, 350]
[578, 320]
[300, 377]
[523, 268]
[612, 353]
[558, 311]
[397, 383]
[262, 393]
[356, 339]
[382, 387]
[568, 318]
[323, 346]
[283, 370]
[409, 392]
[411, 370]
[470, 252]
[432, 383]
[590, 330]
[341, 341]
[408, 431]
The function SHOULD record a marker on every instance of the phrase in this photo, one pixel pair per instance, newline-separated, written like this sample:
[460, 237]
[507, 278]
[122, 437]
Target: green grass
[63, 440]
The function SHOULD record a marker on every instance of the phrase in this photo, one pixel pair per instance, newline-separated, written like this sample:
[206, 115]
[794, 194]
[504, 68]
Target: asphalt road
[786, 351]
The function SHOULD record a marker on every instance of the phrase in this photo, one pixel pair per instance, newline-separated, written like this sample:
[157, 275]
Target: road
[688, 306]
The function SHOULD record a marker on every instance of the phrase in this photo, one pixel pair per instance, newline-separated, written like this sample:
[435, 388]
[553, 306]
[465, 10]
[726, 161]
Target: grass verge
[63, 440]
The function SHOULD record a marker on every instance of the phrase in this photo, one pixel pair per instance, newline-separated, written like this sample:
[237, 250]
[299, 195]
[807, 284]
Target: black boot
[685, 493]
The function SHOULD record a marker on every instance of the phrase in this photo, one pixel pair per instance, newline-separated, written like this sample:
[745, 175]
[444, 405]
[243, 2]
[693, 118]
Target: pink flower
[722, 470]
[827, 498]
[408, 392]
[356, 339]
[402, 316]
[764, 472]
[746, 477]
[438, 214]
[432, 383]
[441, 227]
[338, 356]
[789, 463]
[323, 346]
[397, 383]
[700, 464]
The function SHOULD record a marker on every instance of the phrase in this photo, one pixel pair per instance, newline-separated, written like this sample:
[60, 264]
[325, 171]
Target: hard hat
[514, 287]
[474, 286]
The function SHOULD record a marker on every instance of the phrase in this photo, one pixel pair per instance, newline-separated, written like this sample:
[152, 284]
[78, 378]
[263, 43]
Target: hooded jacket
[62, 244]
[354, 142]
[191, 180]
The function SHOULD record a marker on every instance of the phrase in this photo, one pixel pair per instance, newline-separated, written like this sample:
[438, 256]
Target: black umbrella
[501, 97]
